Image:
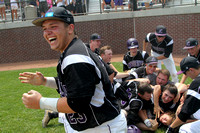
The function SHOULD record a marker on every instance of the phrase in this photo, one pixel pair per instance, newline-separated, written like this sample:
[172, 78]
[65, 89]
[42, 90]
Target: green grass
[14, 117]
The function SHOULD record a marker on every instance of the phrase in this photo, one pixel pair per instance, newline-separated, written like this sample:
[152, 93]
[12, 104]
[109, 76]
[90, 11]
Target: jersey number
[74, 120]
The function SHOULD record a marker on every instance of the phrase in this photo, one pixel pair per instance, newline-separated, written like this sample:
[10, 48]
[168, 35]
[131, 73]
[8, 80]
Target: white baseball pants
[169, 64]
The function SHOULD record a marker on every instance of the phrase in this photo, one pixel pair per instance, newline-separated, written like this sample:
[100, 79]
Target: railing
[26, 11]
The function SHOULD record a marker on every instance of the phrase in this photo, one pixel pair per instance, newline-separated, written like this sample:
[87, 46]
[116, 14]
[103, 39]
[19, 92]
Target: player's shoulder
[168, 38]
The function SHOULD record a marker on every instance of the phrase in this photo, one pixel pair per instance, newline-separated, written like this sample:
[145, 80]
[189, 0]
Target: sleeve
[147, 38]
[169, 47]
[189, 107]
[125, 65]
[80, 81]
[145, 57]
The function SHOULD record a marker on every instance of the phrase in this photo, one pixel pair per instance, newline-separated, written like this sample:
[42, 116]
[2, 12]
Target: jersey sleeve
[147, 38]
[80, 88]
[190, 105]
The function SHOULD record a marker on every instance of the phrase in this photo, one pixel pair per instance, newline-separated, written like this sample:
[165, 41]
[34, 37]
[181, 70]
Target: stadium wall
[21, 41]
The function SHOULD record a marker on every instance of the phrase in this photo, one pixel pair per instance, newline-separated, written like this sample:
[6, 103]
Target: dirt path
[53, 63]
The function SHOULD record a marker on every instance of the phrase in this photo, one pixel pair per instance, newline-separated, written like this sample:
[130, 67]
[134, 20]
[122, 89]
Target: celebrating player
[161, 48]
[86, 94]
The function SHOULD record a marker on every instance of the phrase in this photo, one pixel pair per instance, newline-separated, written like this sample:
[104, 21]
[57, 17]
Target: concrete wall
[21, 41]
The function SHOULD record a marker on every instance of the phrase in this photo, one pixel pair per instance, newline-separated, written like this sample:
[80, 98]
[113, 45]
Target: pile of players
[153, 100]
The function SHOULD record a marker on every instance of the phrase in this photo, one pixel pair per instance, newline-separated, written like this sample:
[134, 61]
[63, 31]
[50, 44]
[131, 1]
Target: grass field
[14, 117]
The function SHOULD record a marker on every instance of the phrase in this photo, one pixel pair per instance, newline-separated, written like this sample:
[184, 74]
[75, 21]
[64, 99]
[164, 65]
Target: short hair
[104, 48]
[164, 72]
[171, 88]
[144, 87]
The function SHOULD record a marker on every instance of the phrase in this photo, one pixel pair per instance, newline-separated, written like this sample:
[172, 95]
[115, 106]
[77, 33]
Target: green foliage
[15, 118]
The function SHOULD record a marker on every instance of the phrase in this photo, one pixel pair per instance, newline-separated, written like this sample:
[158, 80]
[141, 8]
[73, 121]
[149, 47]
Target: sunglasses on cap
[150, 65]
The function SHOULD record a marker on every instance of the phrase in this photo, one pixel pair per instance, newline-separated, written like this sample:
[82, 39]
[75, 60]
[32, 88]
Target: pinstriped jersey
[134, 62]
[165, 47]
[83, 80]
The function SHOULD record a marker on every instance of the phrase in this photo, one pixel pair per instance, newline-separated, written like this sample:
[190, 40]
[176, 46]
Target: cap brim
[188, 47]
[160, 34]
[39, 21]
[179, 72]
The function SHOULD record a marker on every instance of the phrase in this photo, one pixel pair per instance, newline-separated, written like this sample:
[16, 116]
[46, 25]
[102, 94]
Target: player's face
[146, 96]
[56, 34]
[167, 96]
[166, 119]
[160, 38]
[150, 68]
[133, 51]
[193, 51]
[95, 44]
[161, 79]
[107, 56]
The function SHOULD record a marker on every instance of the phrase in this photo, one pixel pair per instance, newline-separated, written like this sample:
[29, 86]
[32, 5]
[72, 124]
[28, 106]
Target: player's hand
[157, 111]
[154, 124]
[31, 99]
[32, 78]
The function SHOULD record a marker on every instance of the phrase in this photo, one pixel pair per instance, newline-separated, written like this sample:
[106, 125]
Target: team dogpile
[96, 98]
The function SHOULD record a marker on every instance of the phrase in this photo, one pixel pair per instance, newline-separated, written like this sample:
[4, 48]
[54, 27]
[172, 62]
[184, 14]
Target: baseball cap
[161, 30]
[190, 43]
[187, 63]
[132, 43]
[151, 60]
[95, 36]
[55, 13]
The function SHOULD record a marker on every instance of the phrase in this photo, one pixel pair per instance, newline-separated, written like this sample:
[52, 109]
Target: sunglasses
[152, 66]
[160, 36]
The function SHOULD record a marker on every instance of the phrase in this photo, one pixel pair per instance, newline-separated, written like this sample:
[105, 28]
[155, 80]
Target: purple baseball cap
[95, 36]
[151, 60]
[187, 63]
[161, 30]
[190, 43]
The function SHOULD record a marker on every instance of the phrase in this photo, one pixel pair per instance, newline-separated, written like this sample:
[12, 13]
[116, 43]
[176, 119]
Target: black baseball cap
[187, 63]
[55, 13]
[151, 60]
[161, 30]
[95, 36]
[190, 43]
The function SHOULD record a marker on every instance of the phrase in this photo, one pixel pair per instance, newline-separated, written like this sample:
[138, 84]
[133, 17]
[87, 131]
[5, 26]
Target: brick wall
[27, 43]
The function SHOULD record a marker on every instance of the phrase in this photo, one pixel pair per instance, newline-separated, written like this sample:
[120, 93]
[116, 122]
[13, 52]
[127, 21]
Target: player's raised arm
[37, 79]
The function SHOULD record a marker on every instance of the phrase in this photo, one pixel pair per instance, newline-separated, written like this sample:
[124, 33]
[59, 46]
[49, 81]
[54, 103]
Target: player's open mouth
[52, 39]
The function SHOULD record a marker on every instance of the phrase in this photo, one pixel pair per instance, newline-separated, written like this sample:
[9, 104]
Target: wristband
[49, 103]
[51, 83]
[147, 123]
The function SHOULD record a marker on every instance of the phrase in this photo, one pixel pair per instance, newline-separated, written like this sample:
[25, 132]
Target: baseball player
[193, 50]
[161, 48]
[146, 71]
[191, 106]
[134, 58]
[87, 98]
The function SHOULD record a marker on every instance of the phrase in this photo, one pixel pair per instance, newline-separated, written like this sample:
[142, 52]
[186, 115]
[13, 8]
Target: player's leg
[170, 65]
[48, 115]
[159, 61]
[117, 125]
